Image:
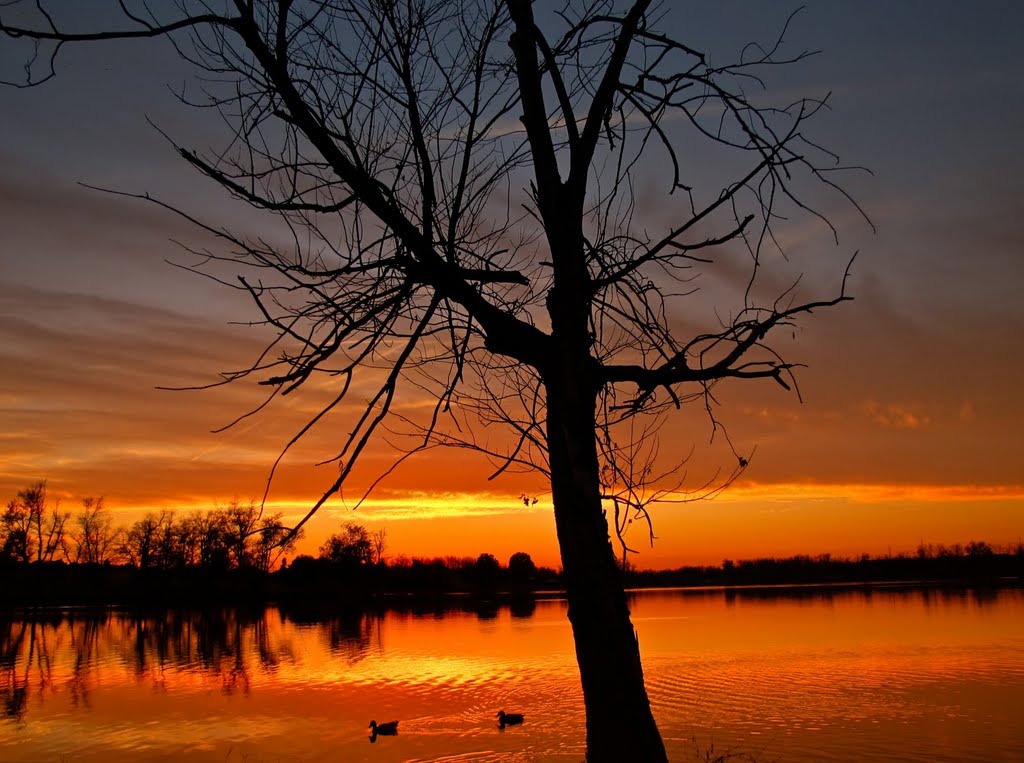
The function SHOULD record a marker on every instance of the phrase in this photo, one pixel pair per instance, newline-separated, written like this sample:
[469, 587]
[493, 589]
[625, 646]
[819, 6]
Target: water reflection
[226, 645]
[829, 593]
[16, 679]
[805, 673]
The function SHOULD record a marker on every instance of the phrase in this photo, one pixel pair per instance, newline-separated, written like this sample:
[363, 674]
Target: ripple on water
[841, 682]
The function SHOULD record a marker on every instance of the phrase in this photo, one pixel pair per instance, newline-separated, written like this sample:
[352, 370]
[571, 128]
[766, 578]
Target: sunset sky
[911, 420]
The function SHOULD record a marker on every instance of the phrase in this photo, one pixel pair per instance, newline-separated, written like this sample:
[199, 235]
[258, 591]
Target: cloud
[896, 415]
[870, 493]
[80, 387]
[82, 407]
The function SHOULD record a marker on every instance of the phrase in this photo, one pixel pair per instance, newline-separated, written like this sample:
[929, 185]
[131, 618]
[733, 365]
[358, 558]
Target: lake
[794, 674]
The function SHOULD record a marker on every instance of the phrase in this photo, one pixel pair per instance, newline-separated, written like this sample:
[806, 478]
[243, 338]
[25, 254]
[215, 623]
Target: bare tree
[14, 533]
[209, 531]
[241, 524]
[379, 542]
[32, 529]
[456, 182]
[144, 544]
[271, 541]
[95, 537]
[251, 538]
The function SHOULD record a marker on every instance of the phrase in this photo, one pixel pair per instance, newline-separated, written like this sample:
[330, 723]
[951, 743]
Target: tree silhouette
[32, 527]
[146, 542]
[352, 547]
[521, 568]
[486, 570]
[379, 541]
[458, 184]
[95, 537]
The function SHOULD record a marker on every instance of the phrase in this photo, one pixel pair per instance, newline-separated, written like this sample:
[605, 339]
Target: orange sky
[910, 426]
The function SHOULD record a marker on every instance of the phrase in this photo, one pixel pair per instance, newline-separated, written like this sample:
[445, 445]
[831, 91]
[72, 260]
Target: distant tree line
[35, 529]
[48, 555]
[353, 559]
[975, 561]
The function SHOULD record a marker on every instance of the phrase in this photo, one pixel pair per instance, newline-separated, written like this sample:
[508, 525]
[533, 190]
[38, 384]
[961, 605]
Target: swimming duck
[509, 719]
[384, 729]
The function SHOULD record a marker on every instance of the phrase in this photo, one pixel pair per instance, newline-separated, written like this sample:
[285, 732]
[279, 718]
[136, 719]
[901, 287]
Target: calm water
[818, 675]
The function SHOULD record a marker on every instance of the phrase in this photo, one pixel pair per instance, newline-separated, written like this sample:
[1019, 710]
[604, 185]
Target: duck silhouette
[388, 729]
[509, 719]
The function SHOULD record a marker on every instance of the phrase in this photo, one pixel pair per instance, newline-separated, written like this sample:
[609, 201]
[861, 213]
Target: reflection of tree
[265, 648]
[216, 638]
[350, 633]
[43, 654]
[486, 609]
[523, 606]
[26, 651]
[14, 689]
[15, 699]
[87, 631]
[212, 641]
[235, 676]
[219, 644]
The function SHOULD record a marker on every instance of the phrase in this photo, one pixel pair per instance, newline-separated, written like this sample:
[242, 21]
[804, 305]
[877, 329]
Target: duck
[509, 719]
[384, 729]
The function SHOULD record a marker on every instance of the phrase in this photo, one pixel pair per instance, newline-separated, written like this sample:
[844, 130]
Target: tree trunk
[620, 726]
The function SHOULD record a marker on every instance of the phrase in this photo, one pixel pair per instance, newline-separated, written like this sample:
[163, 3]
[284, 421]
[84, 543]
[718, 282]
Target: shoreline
[521, 600]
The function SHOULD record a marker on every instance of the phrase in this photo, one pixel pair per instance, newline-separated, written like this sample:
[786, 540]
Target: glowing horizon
[688, 533]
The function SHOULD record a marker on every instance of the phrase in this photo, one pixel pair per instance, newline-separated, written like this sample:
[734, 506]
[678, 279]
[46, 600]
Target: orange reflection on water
[817, 670]
[206, 685]
[804, 674]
